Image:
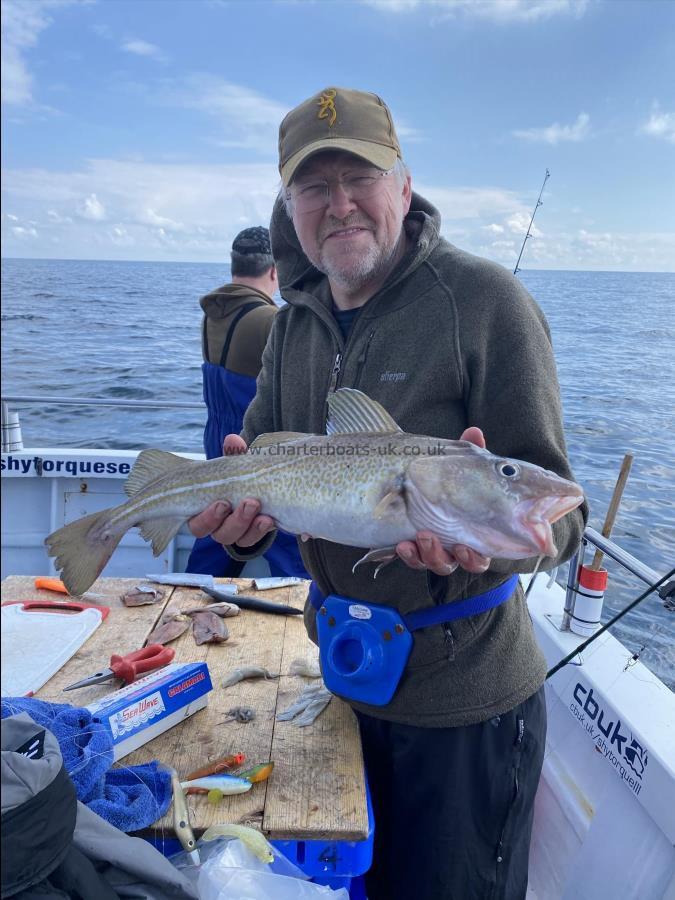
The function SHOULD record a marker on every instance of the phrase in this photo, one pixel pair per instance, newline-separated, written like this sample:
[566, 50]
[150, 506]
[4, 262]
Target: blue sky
[147, 129]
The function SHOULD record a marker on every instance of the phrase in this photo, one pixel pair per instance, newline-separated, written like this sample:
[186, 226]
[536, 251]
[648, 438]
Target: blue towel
[129, 797]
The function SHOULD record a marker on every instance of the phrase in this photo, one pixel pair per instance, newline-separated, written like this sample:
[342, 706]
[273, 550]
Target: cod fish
[366, 483]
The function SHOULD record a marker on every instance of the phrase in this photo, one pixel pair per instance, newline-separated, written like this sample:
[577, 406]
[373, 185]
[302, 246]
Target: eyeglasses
[315, 194]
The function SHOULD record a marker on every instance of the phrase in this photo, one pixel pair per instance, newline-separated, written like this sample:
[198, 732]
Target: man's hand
[426, 552]
[243, 527]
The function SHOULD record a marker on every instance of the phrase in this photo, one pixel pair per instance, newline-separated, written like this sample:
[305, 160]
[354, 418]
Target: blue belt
[364, 647]
[445, 612]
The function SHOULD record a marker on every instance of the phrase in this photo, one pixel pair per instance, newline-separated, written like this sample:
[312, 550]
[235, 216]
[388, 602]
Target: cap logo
[327, 107]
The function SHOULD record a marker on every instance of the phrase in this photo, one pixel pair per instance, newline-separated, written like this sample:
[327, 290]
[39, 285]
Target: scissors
[129, 667]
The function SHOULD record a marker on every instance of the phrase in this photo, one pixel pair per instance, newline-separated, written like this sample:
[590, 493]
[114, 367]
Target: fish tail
[83, 548]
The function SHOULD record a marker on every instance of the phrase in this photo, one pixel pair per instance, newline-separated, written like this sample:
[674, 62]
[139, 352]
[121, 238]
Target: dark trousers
[454, 806]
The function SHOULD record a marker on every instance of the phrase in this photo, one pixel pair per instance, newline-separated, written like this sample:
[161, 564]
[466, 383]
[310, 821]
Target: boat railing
[12, 440]
[629, 562]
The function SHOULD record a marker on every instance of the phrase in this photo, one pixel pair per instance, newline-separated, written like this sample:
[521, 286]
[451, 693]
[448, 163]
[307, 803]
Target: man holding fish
[397, 359]
[452, 346]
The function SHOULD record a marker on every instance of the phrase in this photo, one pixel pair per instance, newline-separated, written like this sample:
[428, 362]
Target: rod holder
[11, 430]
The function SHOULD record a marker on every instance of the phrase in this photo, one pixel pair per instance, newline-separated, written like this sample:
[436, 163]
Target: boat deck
[317, 789]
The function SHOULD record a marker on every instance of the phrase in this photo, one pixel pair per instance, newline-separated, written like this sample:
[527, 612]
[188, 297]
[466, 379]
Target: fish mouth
[537, 516]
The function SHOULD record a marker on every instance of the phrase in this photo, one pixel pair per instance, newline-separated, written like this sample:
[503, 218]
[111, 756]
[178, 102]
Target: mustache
[352, 221]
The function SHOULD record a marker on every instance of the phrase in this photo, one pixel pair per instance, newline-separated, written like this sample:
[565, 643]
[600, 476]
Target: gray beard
[370, 265]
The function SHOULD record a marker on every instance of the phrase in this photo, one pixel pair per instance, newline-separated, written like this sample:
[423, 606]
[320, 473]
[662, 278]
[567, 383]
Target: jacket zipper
[360, 363]
[332, 387]
[335, 374]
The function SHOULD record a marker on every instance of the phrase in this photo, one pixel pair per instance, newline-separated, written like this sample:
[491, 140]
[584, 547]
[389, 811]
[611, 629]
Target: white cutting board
[39, 637]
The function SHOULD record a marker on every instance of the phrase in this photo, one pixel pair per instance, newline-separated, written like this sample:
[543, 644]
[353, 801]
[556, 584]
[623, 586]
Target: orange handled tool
[50, 584]
[129, 667]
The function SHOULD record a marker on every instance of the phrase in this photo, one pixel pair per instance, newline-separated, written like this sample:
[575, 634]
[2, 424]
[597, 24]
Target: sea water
[130, 330]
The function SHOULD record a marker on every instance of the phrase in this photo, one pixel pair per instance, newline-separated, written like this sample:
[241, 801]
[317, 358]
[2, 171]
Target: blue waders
[227, 395]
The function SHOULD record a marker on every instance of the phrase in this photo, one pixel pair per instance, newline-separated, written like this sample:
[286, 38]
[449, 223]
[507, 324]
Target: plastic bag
[230, 871]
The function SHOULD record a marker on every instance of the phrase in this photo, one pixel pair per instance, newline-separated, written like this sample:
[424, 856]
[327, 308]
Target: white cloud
[554, 134]
[21, 27]
[660, 124]
[498, 11]
[92, 208]
[246, 118]
[143, 48]
[591, 250]
[150, 217]
[21, 232]
[56, 218]
[139, 210]
[518, 222]
[173, 211]
[457, 204]
[22, 23]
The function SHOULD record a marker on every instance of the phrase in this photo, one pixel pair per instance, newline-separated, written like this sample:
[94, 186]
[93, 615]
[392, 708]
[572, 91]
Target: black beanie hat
[253, 240]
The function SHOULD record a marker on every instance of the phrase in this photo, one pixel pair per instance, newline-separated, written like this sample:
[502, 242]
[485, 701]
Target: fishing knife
[253, 603]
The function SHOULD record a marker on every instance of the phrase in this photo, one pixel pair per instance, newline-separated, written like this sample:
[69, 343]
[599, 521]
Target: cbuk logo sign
[628, 757]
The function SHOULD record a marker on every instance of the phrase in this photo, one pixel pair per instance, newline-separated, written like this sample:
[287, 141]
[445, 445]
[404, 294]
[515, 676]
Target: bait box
[333, 863]
[148, 707]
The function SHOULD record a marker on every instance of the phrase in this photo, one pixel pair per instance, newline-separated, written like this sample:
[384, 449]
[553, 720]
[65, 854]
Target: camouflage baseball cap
[338, 119]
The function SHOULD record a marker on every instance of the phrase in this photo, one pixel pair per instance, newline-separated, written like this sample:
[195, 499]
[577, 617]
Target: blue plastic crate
[167, 846]
[325, 861]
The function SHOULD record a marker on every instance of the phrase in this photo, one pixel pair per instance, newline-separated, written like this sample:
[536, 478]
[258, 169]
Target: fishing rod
[665, 594]
[534, 213]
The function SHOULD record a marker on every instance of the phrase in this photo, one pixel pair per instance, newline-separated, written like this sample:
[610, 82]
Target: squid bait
[308, 668]
[254, 840]
[237, 675]
[309, 705]
[220, 609]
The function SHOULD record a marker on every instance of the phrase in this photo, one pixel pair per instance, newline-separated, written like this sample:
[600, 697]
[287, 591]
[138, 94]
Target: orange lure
[225, 764]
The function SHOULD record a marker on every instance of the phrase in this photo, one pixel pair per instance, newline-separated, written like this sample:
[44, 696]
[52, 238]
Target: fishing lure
[258, 773]
[254, 840]
[228, 784]
[181, 820]
[224, 764]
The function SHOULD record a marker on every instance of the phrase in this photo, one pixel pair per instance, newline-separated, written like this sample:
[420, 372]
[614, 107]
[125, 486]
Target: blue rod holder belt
[364, 647]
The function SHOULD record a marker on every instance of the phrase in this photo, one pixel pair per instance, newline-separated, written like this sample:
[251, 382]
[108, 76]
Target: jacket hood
[296, 272]
[224, 300]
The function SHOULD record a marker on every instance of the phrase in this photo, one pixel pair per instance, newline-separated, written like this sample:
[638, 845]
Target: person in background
[237, 321]
[452, 346]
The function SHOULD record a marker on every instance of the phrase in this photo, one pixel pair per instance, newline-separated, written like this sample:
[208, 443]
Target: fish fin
[382, 555]
[159, 532]
[149, 466]
[271, 438]
[82, 549]
[351, 411]
[390, 506]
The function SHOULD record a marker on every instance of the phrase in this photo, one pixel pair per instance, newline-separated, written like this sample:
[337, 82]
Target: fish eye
[508, 470]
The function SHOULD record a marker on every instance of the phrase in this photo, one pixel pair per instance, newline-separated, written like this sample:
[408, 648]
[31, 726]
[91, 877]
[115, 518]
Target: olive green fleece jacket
[251, 331]
[450, 340]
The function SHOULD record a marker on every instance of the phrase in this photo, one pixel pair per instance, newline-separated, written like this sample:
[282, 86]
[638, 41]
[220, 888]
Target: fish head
[500, 507]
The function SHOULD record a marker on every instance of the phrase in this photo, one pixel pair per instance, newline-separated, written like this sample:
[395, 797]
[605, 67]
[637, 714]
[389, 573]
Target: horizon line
[191, 262]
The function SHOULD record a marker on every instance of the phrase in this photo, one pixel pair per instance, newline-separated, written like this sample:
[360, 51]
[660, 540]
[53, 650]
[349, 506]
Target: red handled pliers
[129, 667]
